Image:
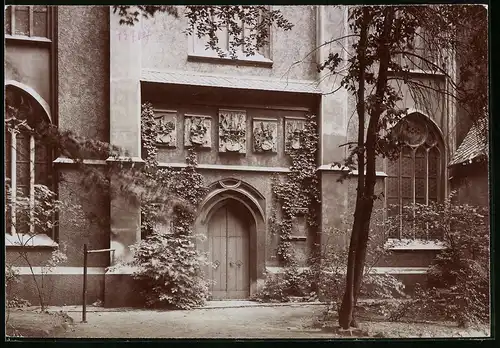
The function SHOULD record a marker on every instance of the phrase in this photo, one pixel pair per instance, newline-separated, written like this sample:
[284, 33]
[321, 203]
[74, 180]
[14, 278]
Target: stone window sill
[255, 60]
[29, 241]
[23, 38]
[298, 238]
[422, 72]
[413, 244]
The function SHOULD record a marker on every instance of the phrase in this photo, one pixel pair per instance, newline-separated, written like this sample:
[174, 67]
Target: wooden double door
[228, 246]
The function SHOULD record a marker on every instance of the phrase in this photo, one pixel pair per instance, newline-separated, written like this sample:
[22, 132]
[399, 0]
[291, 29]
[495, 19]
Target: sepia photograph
[247, 172]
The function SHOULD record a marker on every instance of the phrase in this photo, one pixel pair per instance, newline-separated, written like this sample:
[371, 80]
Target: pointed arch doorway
[228, 245]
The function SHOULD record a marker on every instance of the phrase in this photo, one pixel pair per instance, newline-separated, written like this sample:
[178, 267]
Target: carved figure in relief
[197, 131]
[232, 131]
[265, 133]
[294, 129]
[166, 130]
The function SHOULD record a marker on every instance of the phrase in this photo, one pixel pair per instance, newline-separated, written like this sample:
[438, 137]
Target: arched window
[28, 162]
[416, 176]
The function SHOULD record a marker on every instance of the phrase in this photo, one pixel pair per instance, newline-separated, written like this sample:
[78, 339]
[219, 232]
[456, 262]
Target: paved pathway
[233, 321]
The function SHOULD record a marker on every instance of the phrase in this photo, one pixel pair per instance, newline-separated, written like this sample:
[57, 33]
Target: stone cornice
[230, 167]
[65, 160]
[332, 168]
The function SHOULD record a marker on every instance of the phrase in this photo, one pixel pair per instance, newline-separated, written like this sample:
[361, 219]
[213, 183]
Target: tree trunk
[366, 185]
[346, 310]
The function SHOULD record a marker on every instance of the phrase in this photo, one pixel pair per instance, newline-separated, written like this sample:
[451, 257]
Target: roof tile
[475, 144]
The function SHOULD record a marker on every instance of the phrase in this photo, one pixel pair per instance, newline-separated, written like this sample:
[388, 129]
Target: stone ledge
[335, 168]
[374, 270]
[413, 245]
[59, 270]
[229, 167]
[65, 160]
[121, 270]
[29, 241]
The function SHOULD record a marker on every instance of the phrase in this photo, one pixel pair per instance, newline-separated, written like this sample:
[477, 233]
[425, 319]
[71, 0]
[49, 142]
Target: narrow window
[27, 162]
[415, 176]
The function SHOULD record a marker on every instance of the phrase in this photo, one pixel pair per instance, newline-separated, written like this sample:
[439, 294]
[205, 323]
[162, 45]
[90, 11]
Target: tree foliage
[382, 57]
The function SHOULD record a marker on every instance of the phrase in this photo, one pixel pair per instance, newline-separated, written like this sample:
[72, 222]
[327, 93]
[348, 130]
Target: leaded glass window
[27, 21]
[28, 162]
[415, 176]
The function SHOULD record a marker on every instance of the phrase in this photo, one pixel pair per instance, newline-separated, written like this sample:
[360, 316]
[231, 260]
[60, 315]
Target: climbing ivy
[296, 194]
[186, 186]
[169, 265]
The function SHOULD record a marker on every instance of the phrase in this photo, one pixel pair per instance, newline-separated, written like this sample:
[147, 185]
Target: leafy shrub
[333, 265]
[11, 276]
[331, 286]
[283, 287]
[458, 279]
[12, 301]
[17, 302]
[381, 286]
[170, 271]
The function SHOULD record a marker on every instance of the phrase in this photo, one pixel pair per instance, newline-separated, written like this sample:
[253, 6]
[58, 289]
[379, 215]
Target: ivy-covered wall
[273, 122]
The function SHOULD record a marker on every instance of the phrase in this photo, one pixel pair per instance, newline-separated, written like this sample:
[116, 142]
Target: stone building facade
[90, 75]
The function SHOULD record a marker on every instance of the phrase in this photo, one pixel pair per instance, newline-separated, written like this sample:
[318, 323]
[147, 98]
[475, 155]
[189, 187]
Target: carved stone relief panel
[167, 123]
[299, 239]
[299, 226]
[301, 252]
[293, 133]
[197, 130]
[265, 135]
[232, 131]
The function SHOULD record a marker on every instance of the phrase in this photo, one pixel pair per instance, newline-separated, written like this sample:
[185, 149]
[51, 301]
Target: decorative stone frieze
[197, 130]
[265, 135]
[293, 133]
[232, 131]
[167, 121]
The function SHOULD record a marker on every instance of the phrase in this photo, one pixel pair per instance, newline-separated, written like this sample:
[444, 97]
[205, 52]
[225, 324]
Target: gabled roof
[474, 145]
[227, 81]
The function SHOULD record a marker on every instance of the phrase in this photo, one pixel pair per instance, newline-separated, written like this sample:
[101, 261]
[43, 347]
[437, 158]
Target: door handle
[231, 264]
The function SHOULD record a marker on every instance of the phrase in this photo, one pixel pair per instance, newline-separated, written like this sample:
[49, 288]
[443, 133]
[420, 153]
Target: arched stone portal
[232, 221]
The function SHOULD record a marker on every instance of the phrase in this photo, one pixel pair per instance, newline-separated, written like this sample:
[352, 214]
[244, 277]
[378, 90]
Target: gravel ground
[292, 321]
[246, 322]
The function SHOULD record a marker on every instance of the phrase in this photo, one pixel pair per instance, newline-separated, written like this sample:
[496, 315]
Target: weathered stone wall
[165, 46]
[83, 76]
[471, 184]
[30, 65]
[60, 289]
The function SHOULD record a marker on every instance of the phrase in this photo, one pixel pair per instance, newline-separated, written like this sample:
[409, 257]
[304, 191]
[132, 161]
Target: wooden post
[84, 310]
